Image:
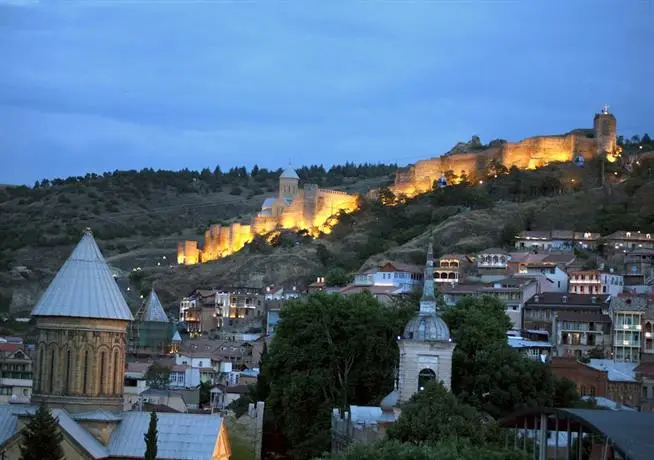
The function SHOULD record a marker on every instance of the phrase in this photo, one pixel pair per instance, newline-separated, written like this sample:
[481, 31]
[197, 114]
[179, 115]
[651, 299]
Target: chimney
[564, 299]
[536, 299]
[593, 299]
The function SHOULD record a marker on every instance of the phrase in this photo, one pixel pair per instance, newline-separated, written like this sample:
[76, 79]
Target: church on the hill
[82, 320]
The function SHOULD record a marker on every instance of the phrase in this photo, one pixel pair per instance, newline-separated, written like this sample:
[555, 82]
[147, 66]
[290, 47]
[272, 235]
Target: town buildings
[595, 282]
[15, 373]
[79, 372]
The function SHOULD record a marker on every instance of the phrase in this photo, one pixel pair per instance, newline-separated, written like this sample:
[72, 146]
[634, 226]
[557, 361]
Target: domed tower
[426, 347]
[82, 321]
[605, 127]
[288, 183]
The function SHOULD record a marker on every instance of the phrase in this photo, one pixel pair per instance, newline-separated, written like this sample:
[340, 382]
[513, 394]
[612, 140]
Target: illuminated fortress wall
[310, 209]
[530, 153]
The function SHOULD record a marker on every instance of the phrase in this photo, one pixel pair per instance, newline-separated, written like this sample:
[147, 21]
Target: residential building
[623, 241]
[553, 278]
[513, 291]
[639, 271]
[556, 240]
[271, 321]
[451, 268]
[385, 294]
[279, 293]
[240, 305]
[581, 335]
[179, 400]
[595, 282]
[627, 314]
[15, 374]
[541, 310]
[492, 264]
[648, 330]
[318, 285]
[645, 375]
[600, 378]
[406, 277]
[532, 349]
[519, 262]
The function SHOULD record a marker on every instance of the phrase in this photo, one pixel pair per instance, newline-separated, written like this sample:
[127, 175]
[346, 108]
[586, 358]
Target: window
[102, 382]
[116, 381]
[67, 377]
[425, 376]
[52, 376]
[86, 371]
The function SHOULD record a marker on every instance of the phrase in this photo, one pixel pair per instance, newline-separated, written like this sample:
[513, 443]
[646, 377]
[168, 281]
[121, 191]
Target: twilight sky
[96, 85]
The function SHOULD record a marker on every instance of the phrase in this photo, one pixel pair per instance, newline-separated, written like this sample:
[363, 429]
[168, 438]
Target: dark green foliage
[337, 277]
[151, 439]
[329, 351]
[158, 376]
[42, 438]
[435, 415]
[490, 375]
[450, 450]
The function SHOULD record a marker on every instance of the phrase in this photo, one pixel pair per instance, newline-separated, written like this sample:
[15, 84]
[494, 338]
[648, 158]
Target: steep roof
[84, 287]
[289, 173]
[154, 310]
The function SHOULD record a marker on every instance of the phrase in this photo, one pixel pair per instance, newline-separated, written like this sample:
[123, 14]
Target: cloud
[111, 85]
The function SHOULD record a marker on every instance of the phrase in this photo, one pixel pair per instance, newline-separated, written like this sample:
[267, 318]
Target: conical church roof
[154, 310]
[84, 287]
[290, 173]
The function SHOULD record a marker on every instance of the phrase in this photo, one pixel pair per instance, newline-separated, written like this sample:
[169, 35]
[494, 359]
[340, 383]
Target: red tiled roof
[646, 369]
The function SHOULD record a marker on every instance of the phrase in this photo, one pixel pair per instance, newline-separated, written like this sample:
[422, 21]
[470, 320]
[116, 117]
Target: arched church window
[116, 381]
[52, 376]
[425, 376]
[86, 372]
[41, 369]
[67, 374]
[103, 387]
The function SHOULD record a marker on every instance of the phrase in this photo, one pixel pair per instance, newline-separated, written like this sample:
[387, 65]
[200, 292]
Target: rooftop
[564, 299]
[154, 310]
[84, 287]
[618, 371]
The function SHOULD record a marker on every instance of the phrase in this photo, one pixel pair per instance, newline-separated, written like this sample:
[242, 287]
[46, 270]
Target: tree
[42, 437]
[329, 351]
[158, 376]
[151, 439]
[450, 450]
[337, 277]
[509, 232]
[435, 415]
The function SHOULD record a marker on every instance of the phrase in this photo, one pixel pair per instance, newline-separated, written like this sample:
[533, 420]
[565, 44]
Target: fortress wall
[187, 252]
[264, 224]
[293, 216]
[586, 146]
[536, 151]
[310, 203]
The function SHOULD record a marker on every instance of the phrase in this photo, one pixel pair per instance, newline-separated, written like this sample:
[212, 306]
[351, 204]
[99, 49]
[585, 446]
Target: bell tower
[288, 183]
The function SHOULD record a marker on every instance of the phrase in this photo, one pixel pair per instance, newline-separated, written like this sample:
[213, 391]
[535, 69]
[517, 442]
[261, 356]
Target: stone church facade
[309, 208]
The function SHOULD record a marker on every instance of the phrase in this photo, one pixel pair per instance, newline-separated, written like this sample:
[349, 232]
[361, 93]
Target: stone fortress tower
[530, 153]
[82, 321]
[426, 347]
[309, 208]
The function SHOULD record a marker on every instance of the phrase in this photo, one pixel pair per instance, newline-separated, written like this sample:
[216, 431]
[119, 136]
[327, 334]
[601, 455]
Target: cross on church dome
[605, 109]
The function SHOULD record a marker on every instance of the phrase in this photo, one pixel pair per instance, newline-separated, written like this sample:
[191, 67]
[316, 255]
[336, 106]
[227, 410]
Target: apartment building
[623, 241]
[581, 335]
[595, 282]
[556, 240]
[542, 309]
[406, 277]
[628, 315]
[450, 268]
[15, 373]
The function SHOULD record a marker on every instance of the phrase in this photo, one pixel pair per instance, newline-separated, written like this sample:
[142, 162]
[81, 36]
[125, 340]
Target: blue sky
[94, 85]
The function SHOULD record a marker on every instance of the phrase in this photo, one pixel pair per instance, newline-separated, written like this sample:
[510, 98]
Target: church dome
[427, 328]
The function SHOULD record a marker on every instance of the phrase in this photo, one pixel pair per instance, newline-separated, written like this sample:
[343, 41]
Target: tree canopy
[490, 375]
[151, 439]
[329, 351]
[42, 437]
[158, 376]
[449, 450]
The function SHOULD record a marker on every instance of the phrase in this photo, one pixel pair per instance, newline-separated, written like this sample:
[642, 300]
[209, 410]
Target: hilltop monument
[470, 159]
[294, 208]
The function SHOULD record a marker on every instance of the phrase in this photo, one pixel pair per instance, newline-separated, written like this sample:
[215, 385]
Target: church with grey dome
[425, 355]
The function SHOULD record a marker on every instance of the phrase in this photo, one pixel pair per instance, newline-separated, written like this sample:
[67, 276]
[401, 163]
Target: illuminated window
[425, 376]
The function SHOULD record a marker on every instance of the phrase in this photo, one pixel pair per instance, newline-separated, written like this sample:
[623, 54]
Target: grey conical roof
[154, 310]
[84, 287]
[177, 337]
[290, 173]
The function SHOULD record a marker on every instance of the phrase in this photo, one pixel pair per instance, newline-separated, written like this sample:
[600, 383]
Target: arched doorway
[425, 376]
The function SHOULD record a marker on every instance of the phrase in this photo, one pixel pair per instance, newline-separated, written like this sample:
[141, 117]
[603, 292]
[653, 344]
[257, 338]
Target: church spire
[428, 299]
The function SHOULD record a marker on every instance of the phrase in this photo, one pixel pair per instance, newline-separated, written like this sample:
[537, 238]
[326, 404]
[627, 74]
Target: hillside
[137, 216]
[462, 218]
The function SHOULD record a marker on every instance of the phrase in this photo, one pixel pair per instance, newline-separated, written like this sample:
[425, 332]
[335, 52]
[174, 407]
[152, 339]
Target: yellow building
[82, 320]
[294, 208]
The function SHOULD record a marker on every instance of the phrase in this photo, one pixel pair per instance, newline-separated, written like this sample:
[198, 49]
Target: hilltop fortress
[471, 159]
[309, 208]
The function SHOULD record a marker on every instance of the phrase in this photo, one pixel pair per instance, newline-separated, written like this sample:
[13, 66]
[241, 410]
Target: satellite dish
[579, 160]
[442, 182]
